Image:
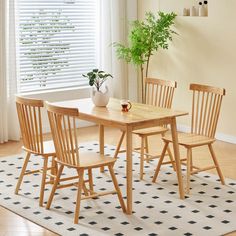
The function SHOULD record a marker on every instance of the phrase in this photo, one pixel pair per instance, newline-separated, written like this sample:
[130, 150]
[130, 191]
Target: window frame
[61, 88]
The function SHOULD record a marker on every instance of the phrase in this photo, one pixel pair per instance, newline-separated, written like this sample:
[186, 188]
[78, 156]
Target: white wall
[203, 52]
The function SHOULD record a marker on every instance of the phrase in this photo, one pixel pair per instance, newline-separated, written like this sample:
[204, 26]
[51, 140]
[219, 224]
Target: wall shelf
[186, 8]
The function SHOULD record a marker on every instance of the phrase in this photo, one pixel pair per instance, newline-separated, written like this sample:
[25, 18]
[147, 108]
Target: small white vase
[194, 11]
[202, 11]
[100, 98]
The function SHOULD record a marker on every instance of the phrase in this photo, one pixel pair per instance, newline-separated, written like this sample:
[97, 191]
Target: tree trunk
[146, 75]
[147, 66]
[142, 82]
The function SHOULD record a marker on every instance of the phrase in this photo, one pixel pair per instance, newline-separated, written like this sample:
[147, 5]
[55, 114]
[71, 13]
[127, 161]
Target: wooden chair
[206, 106]
[158, 93]
[29, 115]
[63, 127]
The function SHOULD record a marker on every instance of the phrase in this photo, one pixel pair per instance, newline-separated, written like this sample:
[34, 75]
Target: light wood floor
[14, 225]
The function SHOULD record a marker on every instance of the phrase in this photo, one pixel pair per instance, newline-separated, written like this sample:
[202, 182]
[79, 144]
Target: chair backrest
[206, 106]
[29, 115]
[159, 92]
[64, 133]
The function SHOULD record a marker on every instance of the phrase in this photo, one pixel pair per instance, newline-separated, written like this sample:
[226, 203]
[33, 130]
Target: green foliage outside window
[41, 46]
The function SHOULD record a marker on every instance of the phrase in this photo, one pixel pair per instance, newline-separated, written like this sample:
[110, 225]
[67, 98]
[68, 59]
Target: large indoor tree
[145, 38]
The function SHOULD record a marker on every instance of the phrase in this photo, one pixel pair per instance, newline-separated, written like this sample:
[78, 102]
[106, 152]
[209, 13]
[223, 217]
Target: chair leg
[43, 181]
[53, 170]
[216, 164]
[113, 176]
[146, 147]
[170, 154]
[22, 172]
[171, 158]
[191, 164]
[160, 162]
[86, 193]
[78, 200]
[142, 158]
[119, 144]
[189, 161]
[54, 186]
[90, 176]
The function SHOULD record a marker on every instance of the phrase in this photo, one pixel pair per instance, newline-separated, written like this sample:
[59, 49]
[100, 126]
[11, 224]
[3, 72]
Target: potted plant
[145, 38]
[96, 79]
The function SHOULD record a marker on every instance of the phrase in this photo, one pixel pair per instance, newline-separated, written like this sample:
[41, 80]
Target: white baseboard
[226, 138]
[219, 136]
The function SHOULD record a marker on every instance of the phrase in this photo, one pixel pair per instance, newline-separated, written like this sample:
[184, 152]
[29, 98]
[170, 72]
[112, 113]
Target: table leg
[101, 142]
[129, 173]
[177, 157]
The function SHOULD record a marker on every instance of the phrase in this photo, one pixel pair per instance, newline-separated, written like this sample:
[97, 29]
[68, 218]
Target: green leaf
[89, 74]
[93, 76]
[97, 77]
[91, 82]
[146, 37]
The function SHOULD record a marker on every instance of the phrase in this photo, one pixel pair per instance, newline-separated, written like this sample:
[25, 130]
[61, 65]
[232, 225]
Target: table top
[139, 113]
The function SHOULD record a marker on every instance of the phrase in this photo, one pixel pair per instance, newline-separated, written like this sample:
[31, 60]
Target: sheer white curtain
[115, 16]
[9, 129]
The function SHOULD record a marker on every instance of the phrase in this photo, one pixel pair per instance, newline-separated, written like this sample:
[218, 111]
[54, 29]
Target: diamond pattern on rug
[157, 209]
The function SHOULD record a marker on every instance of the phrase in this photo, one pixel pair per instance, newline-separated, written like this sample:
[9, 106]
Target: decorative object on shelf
[100, 95]
[186, 12]
[201, 9]
[145, 38]
[206, 7]
[194, 11]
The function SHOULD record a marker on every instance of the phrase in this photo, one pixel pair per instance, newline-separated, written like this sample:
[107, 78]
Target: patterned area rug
[209, 210]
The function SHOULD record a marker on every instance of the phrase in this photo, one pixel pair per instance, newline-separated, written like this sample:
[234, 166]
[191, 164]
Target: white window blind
[57, 43]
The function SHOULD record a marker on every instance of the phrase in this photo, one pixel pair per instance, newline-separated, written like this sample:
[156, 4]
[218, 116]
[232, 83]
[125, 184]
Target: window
[57, 43]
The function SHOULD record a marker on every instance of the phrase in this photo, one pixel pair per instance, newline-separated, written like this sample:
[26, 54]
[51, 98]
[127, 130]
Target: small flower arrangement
[97, 78]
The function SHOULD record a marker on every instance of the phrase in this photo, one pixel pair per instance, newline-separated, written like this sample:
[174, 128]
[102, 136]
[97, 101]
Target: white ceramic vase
[100, 98]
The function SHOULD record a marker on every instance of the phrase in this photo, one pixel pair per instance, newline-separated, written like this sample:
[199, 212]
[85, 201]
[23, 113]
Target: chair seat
[190, 140]
[151, 131]
[92, 160]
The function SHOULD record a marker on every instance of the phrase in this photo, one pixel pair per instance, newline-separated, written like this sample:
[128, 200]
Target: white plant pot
[100, 98]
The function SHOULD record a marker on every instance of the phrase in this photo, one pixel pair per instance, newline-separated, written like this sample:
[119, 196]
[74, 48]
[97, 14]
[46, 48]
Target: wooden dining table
[140, 116]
